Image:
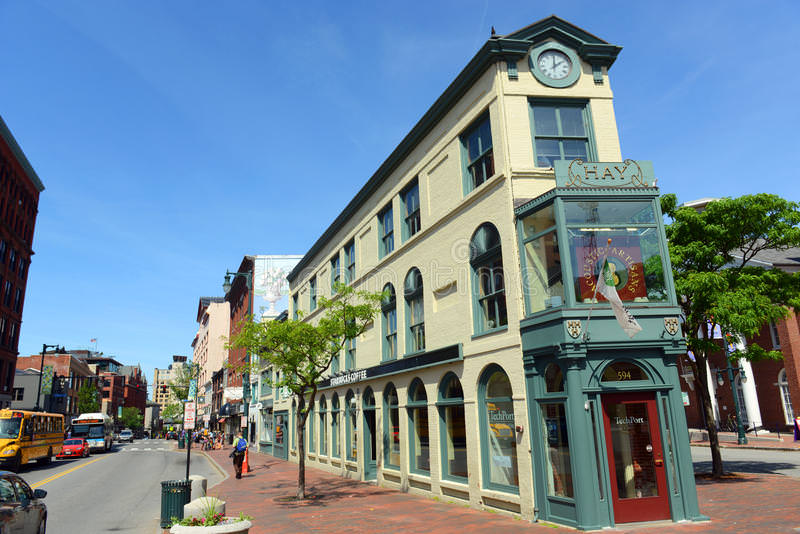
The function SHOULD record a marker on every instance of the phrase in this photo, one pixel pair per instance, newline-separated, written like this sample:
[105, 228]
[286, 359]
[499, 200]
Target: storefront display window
[453, 425]
[559, 467]
[419, 447]
[310, 425]
[266, 425]
[335, 426]
[323, 426]
[351, 408]
[634, 254]
[498, 431]
[391, 433]
[543, 285]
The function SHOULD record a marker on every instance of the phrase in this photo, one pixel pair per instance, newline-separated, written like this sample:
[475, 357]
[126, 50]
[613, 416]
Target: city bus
[96, 428]
[27, 436]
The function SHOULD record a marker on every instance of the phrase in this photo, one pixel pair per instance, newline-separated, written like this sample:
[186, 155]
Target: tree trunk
[713, 437]
[301, 449]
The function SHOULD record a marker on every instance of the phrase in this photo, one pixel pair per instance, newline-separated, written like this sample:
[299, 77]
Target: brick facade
[19, 201]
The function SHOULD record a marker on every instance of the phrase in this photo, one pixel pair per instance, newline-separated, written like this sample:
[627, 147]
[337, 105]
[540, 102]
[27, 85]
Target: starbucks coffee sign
[595, 174]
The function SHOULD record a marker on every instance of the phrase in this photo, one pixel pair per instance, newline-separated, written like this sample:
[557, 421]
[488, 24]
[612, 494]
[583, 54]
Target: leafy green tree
[301, 352]
[172, 411]
[179, 385]
[131, 418]
[87, 398]
[717, 284]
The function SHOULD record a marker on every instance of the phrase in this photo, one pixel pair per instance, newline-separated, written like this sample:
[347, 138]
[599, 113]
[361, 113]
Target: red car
[74, 448]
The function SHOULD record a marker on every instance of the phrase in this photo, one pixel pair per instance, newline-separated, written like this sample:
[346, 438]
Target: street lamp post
[226, 286]
[742, 437]
[41, 371]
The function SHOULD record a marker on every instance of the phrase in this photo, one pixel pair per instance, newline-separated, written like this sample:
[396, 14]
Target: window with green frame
[323, 426]
[386, 231]
[389, 320]
[453, 428]
[351, 409]
[295, 306]
[477, 153]
[350, 354]
[411, 216]
[266, 388]
[350, 262]
[560, 131]
[635, 255]
[293, 427]
[312, 294]
[391, 427]
[310, 446]
[486, 260]
[335, 426]
[419, 443]
[542, 279]
[415, 312]
[336, 272]
[498, 431]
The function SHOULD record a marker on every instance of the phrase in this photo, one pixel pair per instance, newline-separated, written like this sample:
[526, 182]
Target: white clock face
[554, 64]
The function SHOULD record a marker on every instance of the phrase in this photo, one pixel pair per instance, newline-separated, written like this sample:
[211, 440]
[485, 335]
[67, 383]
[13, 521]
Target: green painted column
[582, 454]
[682, 449]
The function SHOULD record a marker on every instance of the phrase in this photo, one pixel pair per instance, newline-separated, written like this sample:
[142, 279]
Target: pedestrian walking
[239, 449]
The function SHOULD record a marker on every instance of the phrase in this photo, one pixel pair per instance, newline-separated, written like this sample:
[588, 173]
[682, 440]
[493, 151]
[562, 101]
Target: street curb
[225, 475]
[748, 447]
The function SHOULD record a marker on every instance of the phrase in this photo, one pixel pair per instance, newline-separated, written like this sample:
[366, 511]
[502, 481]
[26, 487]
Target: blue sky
[175, 137]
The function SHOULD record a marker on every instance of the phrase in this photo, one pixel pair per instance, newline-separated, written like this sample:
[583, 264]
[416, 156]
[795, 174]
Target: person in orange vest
[238, 452]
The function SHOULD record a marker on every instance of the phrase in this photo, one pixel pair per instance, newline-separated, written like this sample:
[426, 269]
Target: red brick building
[19, 201]
[771, 386]
[69, 375]
[135, 388]
[240, 298]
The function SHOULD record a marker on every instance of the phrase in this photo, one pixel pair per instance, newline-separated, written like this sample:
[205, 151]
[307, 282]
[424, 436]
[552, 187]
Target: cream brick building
[208, 347]
[435, 398]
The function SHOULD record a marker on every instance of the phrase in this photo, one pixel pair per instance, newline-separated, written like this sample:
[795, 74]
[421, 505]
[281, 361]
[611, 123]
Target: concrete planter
[236, 527]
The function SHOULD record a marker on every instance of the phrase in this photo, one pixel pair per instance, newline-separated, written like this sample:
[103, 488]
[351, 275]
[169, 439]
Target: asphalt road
[749, 461]
[119, 491]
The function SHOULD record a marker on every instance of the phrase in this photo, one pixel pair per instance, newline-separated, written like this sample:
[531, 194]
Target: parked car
[21, 508]
[74, 448]
[126, 436]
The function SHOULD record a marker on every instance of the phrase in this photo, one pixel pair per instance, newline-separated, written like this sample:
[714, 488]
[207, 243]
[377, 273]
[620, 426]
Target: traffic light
[163, 389]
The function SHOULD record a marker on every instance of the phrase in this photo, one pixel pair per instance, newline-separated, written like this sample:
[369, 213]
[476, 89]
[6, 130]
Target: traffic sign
[189, 415]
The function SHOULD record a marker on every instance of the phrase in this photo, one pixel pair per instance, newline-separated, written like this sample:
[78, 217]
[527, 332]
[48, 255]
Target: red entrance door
[635, 458]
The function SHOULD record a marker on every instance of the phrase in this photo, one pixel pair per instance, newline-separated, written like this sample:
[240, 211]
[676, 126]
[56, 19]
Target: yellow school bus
[26, 436]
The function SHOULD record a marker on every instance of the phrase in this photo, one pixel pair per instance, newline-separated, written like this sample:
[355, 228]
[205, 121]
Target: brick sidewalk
[746, 503]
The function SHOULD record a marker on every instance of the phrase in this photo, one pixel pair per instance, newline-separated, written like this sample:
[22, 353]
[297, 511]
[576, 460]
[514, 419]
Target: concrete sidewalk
[738, 503]
[762, 440]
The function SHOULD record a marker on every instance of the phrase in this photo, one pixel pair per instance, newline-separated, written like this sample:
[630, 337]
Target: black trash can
[174, 495]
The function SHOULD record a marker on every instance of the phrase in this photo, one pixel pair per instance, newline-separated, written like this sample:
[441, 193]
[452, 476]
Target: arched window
[335, 426]
[553, 378]
[310, 426]
[783, 386]
[323, 426]
[419, 449]
[498, 436]
[623, 372]
[453, 429]
[351, 409]
[370, 437]
[293, 423]
[389, 313]
[415, 311]
[489, 291]
[391, 427]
